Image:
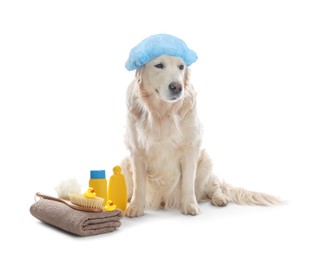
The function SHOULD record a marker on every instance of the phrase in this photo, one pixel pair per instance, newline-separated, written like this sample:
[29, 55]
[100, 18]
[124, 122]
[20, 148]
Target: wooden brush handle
[68, 203]
[44, 196]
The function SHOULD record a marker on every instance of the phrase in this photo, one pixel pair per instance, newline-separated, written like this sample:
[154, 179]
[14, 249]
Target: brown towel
[74, 221]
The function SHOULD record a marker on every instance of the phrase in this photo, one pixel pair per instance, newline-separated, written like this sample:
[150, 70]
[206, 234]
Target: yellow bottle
[117, 189]
[99, 184]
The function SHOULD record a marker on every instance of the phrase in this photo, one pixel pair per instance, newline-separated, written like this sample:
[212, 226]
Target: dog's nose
[175, 87]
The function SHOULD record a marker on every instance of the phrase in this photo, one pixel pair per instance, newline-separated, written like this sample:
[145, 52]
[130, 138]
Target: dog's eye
[181, 67]
[159, 66]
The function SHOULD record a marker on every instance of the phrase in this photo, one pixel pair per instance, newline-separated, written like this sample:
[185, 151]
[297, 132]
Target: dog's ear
[189, 95]
[187, 78]
[133, 89]
[138, 75]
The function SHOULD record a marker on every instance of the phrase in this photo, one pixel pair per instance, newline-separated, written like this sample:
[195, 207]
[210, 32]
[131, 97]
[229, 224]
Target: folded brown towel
[75, 221]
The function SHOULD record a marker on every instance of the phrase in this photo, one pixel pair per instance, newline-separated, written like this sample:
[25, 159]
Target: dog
[167, 167]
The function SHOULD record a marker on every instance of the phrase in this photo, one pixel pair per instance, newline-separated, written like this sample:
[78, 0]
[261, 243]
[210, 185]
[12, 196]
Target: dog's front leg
[189, 205]
[137, 204]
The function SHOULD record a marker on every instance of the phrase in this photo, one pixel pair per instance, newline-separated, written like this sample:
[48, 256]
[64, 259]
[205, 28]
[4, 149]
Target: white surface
[62, 112]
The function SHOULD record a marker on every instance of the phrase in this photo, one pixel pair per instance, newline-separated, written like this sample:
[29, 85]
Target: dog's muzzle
[175, 90]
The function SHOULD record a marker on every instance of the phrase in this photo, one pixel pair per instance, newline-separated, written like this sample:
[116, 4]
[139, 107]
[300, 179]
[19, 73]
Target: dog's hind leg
[215, 193]
[207, 186]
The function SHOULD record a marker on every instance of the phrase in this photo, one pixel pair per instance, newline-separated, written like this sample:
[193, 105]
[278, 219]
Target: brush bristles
[80, 200]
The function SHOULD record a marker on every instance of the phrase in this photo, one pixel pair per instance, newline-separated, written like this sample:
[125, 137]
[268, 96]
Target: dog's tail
[245, 197]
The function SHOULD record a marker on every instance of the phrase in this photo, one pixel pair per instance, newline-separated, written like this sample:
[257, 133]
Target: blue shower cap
[156, 45]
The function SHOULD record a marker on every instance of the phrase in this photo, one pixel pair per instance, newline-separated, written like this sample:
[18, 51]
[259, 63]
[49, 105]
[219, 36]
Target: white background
[62, 112]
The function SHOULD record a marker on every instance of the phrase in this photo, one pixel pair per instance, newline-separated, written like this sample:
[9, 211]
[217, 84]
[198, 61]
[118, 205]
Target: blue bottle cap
[98, 174]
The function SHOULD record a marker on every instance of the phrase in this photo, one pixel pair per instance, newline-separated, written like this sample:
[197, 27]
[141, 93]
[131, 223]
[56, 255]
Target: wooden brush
[78, 201]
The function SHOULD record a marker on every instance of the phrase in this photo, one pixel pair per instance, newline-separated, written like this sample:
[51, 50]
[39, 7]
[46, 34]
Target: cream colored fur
[167, 167]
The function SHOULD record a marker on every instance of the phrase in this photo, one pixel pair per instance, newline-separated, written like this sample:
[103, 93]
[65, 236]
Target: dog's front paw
[134, 210]
[190, 209]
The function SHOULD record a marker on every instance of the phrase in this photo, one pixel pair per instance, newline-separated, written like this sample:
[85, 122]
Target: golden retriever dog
[167, 167]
